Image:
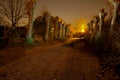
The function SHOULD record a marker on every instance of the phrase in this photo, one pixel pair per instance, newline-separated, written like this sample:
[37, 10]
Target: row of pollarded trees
[50, 28]
[12, 11]
[103, 31]
[106, 39]
[96, 25]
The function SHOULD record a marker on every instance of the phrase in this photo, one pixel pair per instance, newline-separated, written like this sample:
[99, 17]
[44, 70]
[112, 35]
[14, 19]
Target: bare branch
[13, 10]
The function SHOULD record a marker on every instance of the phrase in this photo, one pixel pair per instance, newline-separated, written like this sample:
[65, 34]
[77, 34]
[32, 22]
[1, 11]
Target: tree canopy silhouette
[13, 10]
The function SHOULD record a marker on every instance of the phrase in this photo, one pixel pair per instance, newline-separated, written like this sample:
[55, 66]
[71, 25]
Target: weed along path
[59, 62]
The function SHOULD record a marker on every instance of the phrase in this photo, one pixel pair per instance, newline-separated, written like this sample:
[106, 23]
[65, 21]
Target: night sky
[70, 10]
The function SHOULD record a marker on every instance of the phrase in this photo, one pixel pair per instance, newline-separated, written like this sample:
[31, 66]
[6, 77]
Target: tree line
[103, 29]
[104, 35]
[45, 26]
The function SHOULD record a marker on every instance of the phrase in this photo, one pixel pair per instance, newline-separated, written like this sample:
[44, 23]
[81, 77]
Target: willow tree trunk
[101, 23]
[102, 15]
[30, 27]
[116, 8]
[47, 31]
[67, 31]
[88, 25]
[47, 26]
[60, 31]
[95, 21]
[55, 30]
[63, 31]
[91, 29]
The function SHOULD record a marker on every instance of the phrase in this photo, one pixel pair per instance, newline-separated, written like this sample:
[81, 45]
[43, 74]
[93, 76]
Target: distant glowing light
[83, 31]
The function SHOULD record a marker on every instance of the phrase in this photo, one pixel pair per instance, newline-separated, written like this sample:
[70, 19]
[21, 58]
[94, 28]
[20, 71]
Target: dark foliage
[39, 26]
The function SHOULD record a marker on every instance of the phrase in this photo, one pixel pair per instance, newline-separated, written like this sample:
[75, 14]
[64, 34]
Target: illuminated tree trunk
[91, 29]
[102, 15]
[96, 21]
[56, 27]
[60, 30]
[63, 31]
[47, 17]
[116, 8]
[55, 30]
[101, 23]
[66, 30]
[30, 23]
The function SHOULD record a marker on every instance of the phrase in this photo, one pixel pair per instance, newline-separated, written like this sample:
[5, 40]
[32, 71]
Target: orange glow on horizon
[83, 31]
[80, 26]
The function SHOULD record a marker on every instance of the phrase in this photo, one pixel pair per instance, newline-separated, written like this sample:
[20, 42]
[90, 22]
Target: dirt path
[56, 63]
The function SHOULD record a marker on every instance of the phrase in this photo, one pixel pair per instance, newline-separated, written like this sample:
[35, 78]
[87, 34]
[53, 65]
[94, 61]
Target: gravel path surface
[59, 62]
